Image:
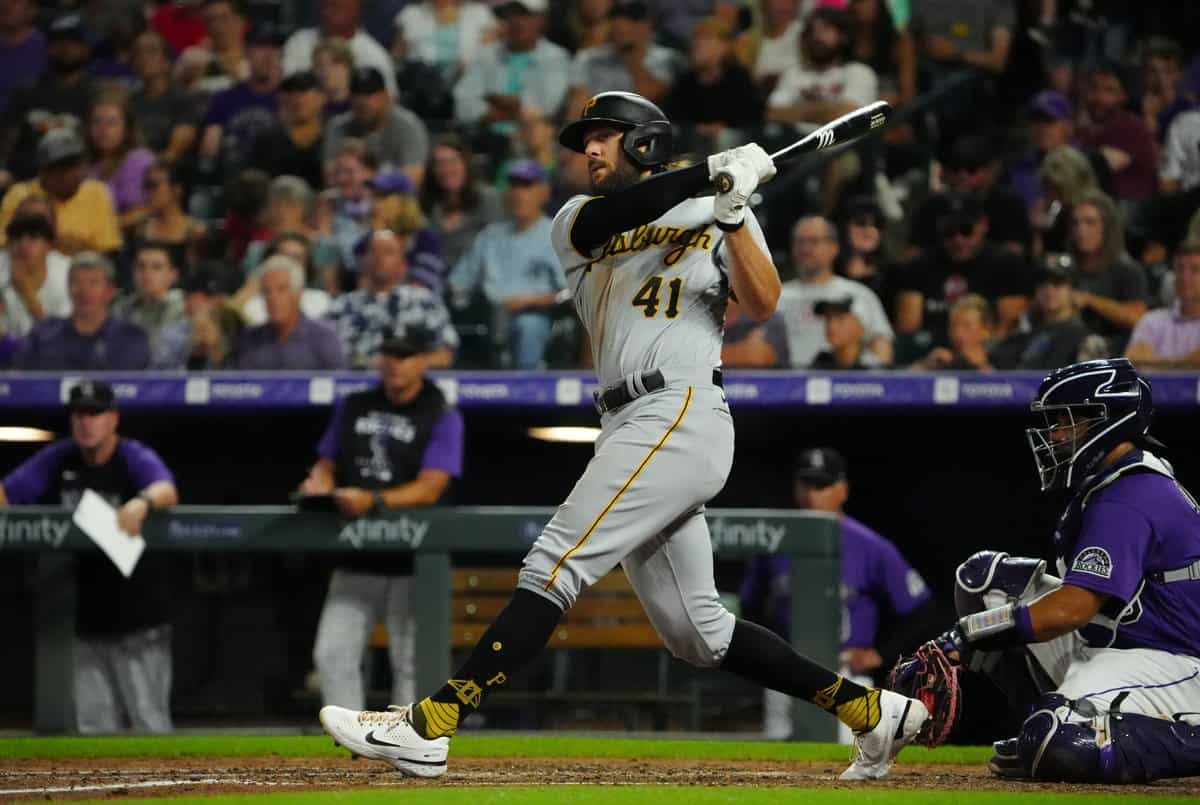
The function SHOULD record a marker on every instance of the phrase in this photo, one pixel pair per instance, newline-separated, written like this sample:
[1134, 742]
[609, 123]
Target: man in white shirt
[825, 85]
[1180, 168]
[33, 276]
[814, 250]
[339, 18]
[780, 48]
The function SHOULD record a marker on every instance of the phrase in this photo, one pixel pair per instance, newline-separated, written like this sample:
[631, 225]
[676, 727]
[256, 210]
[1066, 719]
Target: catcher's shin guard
[1113, 748]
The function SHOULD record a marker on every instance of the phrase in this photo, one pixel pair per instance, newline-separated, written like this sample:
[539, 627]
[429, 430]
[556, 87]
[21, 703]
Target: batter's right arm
[604, 216]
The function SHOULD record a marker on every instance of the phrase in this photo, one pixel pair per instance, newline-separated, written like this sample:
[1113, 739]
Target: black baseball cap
[30, 224]
[959, 210]
[300, 81]
[406, 343]
[366, 81]
[630, 9]
[828, 307]
[820, 466]
[266, 35]
[971, 153]
[68, 26]
[1054, 275]
[91, 397]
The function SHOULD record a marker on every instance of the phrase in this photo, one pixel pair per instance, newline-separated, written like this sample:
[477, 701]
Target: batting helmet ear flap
[648, 145]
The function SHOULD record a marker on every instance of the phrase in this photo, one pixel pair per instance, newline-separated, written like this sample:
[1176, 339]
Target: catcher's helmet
[647, 131]
[1088, 409]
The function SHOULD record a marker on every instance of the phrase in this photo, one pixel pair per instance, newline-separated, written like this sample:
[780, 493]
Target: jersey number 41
[648, 298]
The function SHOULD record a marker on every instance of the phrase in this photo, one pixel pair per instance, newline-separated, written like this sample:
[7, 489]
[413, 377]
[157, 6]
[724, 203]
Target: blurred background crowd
[264, 184]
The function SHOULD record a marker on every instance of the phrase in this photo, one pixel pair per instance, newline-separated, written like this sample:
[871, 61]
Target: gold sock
[436, 719]
[860, 713]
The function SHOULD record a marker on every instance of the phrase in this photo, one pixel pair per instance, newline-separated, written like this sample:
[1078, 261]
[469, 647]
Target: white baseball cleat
[875, 751]
[388, 736]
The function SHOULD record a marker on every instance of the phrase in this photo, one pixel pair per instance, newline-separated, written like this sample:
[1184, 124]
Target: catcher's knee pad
[1114, 747]
[989, 579]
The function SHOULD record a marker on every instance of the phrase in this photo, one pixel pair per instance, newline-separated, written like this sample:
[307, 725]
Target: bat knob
[723, 182]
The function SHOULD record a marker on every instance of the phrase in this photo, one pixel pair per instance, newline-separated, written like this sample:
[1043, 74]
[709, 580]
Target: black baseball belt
[634, 386]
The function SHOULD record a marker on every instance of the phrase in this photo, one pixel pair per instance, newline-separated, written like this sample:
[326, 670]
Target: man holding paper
[123, 647]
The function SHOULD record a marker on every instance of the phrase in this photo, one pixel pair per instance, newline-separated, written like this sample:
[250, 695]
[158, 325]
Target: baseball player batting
[651, 269]
[1105, 657]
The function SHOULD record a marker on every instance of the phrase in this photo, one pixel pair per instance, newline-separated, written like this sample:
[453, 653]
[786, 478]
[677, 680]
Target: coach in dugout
[888, 608]
[392, 446]
[123, 639]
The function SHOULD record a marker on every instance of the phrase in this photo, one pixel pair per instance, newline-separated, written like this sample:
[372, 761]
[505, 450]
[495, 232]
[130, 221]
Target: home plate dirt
[132, 777]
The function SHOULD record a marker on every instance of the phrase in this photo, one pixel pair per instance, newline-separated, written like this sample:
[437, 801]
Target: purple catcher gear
[930, 677]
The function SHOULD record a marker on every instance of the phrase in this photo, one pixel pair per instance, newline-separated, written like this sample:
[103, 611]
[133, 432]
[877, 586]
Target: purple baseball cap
[526, 170]
[392, 182]
[1052, 105]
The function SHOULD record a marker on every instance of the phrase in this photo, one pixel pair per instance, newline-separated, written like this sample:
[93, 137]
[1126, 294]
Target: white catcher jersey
[654, 296]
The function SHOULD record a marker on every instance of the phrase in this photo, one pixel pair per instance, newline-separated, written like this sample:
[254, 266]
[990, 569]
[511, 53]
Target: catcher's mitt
[930, 677]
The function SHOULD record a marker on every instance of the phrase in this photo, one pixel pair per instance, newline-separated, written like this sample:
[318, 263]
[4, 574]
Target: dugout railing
[432, 535]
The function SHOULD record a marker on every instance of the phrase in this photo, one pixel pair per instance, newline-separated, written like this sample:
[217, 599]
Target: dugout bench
[432, 535]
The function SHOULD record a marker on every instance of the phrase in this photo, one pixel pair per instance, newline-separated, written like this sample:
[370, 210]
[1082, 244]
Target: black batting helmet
[647, 131]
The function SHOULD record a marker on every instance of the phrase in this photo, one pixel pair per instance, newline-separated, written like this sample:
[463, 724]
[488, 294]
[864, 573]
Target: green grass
[464, 746]
[655, 795]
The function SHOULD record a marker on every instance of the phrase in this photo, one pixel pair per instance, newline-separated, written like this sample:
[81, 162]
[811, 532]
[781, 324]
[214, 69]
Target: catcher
[1105, 658]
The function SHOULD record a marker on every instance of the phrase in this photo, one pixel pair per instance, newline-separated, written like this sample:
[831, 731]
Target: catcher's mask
[1086, 410]
[648, 136]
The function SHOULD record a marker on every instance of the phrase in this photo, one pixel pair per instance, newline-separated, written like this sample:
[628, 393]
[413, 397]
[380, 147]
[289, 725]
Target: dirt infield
[122, 777]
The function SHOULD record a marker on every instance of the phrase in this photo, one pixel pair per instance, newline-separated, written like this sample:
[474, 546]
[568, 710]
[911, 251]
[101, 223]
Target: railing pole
[431, 604]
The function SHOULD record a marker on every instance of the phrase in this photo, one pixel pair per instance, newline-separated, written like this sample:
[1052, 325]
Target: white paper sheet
[96, 517]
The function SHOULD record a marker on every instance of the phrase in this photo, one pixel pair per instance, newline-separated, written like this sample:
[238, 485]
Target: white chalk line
[68, 789]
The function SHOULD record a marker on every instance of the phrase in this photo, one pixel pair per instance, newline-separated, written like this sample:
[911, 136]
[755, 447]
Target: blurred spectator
[824, 85]
[1180, 168]
[85, 219]
[339, 18]
[166, 118]
[968, 331]
[512, 265]
[165, 221]
[314, 302]
[397, 138]
[352, 168]
[585, 25]
[1118, 134]
[396, 208]
[887, 608]
[1110, 288]
[447, 34]
[862, 254]
[536, 139]
[288, 340]
[630, 61]
[22, 48]
[458, 204]
[91, 339]
[180, 23]
[395, 445]
[59, 99]
[966, 262]
[779, 50]
[33, 276]
[221, 62]
[333, 64]
[157, 306]
[964, 33]
[973, 167]
[122, 652]
[714, 92]
[215, 326]
[118, 157]
[290, 206]
[385, 305]
[814, 252]
[1051, 334]
[1163, 94]
[750, 344]
[884, 47]
[296, 146]
[1169, 338]
[238, 115]
[1065, 176]
[1051, 126]
[521, 68]
[843, 335]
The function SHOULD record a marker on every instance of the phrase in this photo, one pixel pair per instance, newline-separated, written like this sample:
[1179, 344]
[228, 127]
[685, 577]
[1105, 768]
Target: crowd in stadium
[219, 184]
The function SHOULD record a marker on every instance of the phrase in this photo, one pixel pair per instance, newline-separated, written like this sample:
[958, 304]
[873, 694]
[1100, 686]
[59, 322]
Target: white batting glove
[752, 153]
[729, 208]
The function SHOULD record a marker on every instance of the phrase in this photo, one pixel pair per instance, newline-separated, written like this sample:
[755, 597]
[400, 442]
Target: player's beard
[623, 175]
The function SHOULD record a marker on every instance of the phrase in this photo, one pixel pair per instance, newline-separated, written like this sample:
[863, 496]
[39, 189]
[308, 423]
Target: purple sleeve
[126, 183]
[328, 446]
[218, 110]
[905, 588]
[445, 449]
[1111, 550]
[144, 465]
[31, 480]
[861, 620]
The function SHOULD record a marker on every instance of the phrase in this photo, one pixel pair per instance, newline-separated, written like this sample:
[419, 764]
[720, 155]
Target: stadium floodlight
[16, 433]
[572, 434]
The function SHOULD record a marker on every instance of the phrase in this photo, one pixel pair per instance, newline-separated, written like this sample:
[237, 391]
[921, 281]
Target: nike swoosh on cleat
[371, 739]
[899, 728]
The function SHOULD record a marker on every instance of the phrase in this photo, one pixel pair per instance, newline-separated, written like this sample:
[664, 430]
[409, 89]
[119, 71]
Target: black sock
[760, 655]
[518, 634]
